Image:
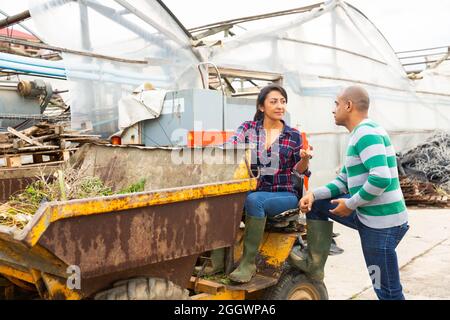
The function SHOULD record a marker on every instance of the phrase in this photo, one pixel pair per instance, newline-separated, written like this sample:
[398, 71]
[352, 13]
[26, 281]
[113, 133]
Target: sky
[407, 24]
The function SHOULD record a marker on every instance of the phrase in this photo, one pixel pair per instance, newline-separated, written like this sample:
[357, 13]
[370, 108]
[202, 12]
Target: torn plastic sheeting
[277, 31]
[107, 78]
[140, 106]
[97, 73]
[96, 68]
[147, 33]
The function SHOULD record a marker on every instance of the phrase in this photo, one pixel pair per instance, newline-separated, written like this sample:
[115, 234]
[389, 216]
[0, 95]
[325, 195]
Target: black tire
[144, 289]
[295, 285]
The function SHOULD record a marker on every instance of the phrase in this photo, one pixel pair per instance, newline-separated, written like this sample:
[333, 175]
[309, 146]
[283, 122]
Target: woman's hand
[306, 202]
[306, 154]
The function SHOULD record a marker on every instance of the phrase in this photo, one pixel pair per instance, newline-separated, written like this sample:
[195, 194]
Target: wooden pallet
[37, 158]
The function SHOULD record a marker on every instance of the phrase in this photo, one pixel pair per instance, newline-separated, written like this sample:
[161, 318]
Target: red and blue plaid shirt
[277, 162]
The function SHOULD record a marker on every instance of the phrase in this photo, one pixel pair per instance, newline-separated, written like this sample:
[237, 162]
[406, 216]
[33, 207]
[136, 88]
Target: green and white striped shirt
[370, 175]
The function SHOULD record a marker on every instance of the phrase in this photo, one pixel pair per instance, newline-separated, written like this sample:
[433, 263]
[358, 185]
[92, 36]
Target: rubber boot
[253, 234]
[319, 236]
[217, 263]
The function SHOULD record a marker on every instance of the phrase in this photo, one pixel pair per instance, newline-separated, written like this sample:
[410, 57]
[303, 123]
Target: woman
[278, 152]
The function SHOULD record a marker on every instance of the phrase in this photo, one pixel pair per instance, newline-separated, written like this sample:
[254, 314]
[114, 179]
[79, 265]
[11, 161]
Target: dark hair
[262, 97]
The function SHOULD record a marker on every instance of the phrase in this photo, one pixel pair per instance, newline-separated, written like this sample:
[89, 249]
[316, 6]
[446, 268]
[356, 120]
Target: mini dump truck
[145, 245]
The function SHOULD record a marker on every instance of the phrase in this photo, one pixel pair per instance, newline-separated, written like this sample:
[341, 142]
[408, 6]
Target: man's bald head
[358, 95]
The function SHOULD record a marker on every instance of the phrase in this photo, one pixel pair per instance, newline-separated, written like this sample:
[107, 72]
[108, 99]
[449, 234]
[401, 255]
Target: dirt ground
[424, 259]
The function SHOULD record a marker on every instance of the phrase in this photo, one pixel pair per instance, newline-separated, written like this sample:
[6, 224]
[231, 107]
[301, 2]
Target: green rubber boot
[319, 236]
[253, 234]
[217, 263]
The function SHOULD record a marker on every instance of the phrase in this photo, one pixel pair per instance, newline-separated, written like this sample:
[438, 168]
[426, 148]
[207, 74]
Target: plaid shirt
[275, 163]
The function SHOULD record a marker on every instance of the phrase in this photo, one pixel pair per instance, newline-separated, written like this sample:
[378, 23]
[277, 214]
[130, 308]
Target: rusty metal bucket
[188, 207]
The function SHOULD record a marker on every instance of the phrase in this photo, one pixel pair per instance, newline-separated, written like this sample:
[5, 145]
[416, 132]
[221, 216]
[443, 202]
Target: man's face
[339, 112]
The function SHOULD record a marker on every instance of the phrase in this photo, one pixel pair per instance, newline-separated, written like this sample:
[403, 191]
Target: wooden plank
[61, 49]
[38, 148]
[33, 153]
[65, 135]
[201, 296]
[82, 140]
[46, 137]
[59, 129]
[206, 286]
[23, 137]
[4, 138]
[13, 162]
[62, 144]
[18, 143]
[65, 155]
[246, 74]
[258, 282]
[30, 131]
[43, 164]
[6, 145]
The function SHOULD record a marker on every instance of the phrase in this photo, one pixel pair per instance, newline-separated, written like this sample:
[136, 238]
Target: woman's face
[274, 106]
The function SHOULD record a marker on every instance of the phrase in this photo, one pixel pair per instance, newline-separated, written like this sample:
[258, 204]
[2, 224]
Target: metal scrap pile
[425, 172]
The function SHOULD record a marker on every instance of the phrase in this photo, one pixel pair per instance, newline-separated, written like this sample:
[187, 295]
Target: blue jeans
[260, 204]
[378, 247]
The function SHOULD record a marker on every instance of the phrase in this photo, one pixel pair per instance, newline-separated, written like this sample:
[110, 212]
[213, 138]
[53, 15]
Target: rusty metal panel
[23, 258]
[53, 211]
[17, 179]
[11, 186]
[273, 253]
[120, 166]
[117, 241]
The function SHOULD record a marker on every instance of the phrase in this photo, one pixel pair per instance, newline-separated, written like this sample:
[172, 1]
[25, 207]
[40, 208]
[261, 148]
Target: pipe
[257, 17]
[31, 69]
[11, 20]
[32, 61]
[85, 71]
[65, 50]
[23, 26]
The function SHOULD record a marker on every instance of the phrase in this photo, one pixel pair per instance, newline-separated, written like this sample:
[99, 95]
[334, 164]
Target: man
[365, 196]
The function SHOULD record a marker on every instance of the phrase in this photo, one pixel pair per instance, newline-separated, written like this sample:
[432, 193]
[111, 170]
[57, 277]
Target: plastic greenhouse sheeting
[110, 28]
[318, 53]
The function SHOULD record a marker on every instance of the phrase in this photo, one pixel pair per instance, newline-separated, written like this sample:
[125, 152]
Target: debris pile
[43, 143]
[423, 194]
[425, 172]
[64, 185]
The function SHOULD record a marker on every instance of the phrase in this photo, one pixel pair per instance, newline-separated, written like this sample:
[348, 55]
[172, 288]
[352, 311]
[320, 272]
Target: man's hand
[341, 210]
[306, 202]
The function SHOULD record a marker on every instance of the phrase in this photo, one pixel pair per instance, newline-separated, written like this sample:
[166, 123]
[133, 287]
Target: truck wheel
[295, 285]
[144, 289]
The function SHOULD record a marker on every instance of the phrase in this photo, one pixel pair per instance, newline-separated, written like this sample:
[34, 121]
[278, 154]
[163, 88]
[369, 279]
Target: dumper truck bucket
[189, 206]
